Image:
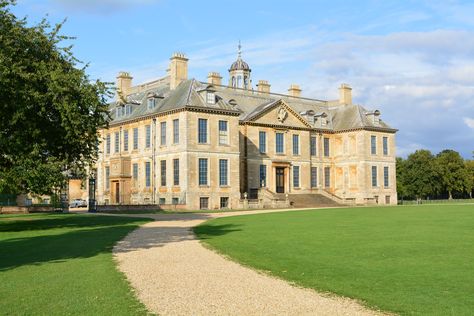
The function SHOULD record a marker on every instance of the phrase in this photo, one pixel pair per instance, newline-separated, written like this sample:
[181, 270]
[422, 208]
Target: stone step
[310, 200]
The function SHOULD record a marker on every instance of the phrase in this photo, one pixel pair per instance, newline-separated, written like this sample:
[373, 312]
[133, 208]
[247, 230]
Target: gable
[280, 114]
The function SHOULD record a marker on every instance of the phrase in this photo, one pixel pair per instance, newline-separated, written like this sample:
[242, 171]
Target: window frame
[163, 133]
[296, 144]
[135, 138]
[296, 177]
[125, 140]
[314, 177]
[147, 136]
[147, 174]
[386, 175]
[374, 176]
[203, 178]
[385, 145]
[224, 134]
[223, 172]
[277, 145]
[262, 176]
[327, 146]
[262, 142]
[176, 131]
[373, 144]
[116, 142]
[312, 146]
[176, 171]
[202, 131]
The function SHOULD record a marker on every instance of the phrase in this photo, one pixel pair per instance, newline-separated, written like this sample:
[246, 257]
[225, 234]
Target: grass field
[412, 260]
[61, 264]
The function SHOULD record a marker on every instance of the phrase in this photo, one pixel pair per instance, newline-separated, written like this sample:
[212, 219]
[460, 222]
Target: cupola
[239, 72]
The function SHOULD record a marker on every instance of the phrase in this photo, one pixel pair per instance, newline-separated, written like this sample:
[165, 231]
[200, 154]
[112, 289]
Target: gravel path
[173, 274]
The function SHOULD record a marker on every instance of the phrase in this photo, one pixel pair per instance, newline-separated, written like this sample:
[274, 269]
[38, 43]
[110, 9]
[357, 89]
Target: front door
[280, 180]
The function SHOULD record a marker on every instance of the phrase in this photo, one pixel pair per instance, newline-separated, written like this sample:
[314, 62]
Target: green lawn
[61, 264]
[412, 260]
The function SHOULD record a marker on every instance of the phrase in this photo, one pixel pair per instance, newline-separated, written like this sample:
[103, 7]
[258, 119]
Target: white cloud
[469, 122]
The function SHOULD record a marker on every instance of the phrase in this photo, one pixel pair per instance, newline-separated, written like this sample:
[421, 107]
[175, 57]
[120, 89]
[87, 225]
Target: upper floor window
[175, 131]
[326, 147]
[210, 97]
[125, 140]
[147, 136]
[151, 103]
[313, 146]
[296, 144]
[135, 138]
[223, 133]
[385, 145]
[262, 141]
[128, 109]
[373, 144]
[107, 144]
[163, 133]
[279, 143]
[117, 142]
[202, 131]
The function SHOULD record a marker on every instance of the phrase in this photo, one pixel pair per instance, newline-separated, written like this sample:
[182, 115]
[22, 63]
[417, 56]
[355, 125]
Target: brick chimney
[124, 83]
[345, 94]
[214, 78]
[263, 86]
[294, 90]
[178, 69]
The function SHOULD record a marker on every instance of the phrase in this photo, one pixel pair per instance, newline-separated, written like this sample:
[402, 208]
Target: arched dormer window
[151, 103]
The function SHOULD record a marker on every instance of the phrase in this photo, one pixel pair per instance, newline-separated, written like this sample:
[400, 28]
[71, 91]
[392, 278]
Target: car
[78, 203]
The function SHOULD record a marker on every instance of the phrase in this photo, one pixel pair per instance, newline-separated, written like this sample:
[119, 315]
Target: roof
[248, 104]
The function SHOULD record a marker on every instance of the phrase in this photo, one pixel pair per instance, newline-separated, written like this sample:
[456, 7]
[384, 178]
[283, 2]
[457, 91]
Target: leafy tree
[452, 172]
[50, 111]
[421, 180]
[402, 189]
[469, 165]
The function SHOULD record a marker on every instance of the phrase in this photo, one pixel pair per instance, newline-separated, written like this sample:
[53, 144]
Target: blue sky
[412, 60]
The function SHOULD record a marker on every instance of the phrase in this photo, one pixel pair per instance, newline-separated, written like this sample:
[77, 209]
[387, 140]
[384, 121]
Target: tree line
[423, 175]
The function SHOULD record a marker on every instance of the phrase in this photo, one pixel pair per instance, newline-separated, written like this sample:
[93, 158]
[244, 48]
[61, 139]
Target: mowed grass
[414, 260]
[61, 264]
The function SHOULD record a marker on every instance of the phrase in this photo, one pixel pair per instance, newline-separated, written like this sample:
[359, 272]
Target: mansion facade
[209, 145]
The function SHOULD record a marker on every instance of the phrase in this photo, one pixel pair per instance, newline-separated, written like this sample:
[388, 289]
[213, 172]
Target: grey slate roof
[247, 103]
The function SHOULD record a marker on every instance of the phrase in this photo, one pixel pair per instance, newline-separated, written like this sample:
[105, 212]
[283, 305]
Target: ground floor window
[263, 175]
[327, 177]
[175, 201]
[203, 203]
[224, 202]
[296, 176]
[314, 177]
[387, 199]
[162, 201]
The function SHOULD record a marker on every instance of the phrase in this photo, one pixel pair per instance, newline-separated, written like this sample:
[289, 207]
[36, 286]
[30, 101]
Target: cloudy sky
[412, 60]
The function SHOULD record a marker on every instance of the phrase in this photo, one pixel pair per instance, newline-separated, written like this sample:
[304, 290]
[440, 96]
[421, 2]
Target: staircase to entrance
[311, 200]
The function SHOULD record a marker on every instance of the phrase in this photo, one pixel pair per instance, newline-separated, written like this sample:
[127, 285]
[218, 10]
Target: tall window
[385, 145]
[202, 131]
[125, 140]
[262, 141]
[163, 133]
[148, 136]
[107, 144]
[135, 171]
[263, 175]
[163, 172]
[202, 171]
[327, 177]
[296, 144]
[223, 172]
[374, 176]
[107, 178]
[385, 177]
[151, 103]
[175, 131]
[223, 133]
[296, 176]
[326, 147]
[313, 146]
[373, 145]
[314, 177]
[116, 142]
[135, 138]
[175, 171]
[279, 143]
[147, 174]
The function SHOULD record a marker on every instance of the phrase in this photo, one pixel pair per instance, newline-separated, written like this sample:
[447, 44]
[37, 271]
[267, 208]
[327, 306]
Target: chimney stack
[294, 90]
[124, 83]
[263, 86]
[345, 94]
[214, 78]
[178, 69]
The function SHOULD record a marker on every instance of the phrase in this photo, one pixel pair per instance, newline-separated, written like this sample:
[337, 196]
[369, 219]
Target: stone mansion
[207, 145]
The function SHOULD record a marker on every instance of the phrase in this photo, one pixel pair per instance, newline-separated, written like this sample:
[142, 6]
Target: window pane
[385, 146]
[296, 144]
[163, 173]
[163, 133]
[147, 174]
[107, 144]
[279, 143]
[385, 177]
[262, 142]
[374, 176]
[107, 178]
[135, 138]
[148, 136]
[373, 145]
[125, 140]
[224, 202]
[204, 203]
[175, 171]
[175, 131]
[223, 133]
[263, 175]
[313, 146]
[135, 171]
[327, 177]
[326, 147]
[223, 172]
[202, 171]
[314, 177]
[296, 176]
[117, 142]
[202, 131]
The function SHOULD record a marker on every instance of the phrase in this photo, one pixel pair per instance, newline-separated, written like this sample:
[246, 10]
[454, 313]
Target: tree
[469, 165]
[451, 170]
[50, 111]
[420, 178]
[402, 189]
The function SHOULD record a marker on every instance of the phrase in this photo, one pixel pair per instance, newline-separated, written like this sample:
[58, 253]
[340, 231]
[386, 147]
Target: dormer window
[210, 97]
[322, 119]
[128, 109]
[119, 111]
[374, 117]
[151, 103]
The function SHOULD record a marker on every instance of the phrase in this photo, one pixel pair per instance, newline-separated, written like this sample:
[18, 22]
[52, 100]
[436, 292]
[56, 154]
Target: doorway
[117, 192]
[280, 180]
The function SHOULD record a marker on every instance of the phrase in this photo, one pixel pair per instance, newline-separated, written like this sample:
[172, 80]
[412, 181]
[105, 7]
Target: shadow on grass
[74, 237]
[206, 231]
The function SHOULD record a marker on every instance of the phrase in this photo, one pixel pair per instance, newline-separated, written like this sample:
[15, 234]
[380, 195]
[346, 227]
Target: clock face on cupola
[239, 72]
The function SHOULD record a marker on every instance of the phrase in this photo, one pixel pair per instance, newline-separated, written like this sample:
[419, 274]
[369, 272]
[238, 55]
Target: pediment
[279, 113]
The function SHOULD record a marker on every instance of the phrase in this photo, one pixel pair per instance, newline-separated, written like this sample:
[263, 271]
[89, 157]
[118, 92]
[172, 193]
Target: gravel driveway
[173, 274]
